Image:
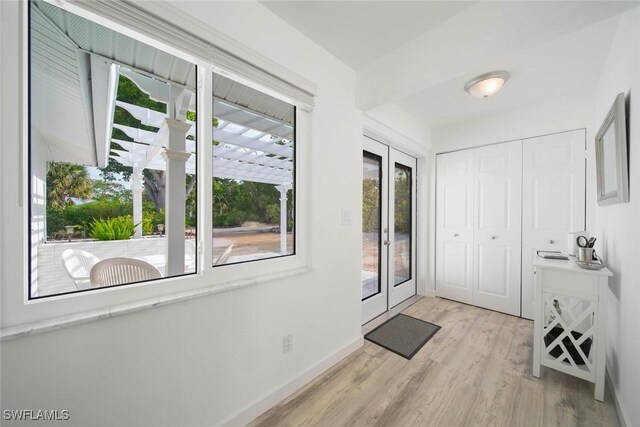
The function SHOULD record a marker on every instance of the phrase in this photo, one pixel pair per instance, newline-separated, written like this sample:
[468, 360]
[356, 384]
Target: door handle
[386, 242]
[494, 237]
[551, 242]
[455, 235]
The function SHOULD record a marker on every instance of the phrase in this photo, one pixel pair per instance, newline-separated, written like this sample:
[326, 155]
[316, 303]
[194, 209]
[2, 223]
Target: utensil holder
[585, 254]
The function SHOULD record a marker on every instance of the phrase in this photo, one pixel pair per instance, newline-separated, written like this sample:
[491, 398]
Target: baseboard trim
[622, 414]
[260, 406]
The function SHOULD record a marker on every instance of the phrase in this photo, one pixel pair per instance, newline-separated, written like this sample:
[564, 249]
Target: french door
[388, 228]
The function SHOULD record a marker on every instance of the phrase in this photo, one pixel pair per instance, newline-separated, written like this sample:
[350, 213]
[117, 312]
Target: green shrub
[148, 222]
[84, 214]
[119, 228]
[273, 213]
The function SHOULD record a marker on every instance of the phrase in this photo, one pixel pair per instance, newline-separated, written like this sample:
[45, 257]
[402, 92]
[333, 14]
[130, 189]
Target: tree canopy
[64, 181]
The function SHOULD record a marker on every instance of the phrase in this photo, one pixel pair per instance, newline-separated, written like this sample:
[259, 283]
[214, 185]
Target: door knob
[551, 242]
[455, 235]
[386, 242]
[494, 237]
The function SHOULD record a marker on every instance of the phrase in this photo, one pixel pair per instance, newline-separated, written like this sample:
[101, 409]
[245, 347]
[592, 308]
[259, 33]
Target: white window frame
[21, 315]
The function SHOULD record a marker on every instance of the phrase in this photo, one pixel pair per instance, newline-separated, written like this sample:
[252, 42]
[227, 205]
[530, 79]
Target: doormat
[403, 335]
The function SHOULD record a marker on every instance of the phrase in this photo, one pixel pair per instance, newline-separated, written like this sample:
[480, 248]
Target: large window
[253, 174]
[119, 131]
[112, 157]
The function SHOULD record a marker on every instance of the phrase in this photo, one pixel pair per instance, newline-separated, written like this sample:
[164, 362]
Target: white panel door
[497, 225]
[553, 202]
[454, 226]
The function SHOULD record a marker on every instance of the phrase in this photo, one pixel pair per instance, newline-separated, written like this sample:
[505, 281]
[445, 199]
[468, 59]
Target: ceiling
[554, 70]
[358, 32]
[417, 55]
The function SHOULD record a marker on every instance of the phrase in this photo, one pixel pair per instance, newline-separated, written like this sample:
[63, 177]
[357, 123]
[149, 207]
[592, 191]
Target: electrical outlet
[287, 343]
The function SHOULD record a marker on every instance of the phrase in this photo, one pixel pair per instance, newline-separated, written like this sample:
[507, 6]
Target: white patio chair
[222, 259]
[117, 271]
[190, 253]
[78, 263]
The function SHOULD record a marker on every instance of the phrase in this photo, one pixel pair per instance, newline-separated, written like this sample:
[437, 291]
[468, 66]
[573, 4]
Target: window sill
[32, 328]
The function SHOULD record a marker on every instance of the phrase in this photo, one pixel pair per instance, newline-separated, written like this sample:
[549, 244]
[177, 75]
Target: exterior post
[283, 218]
[136, 189]
[176, 158]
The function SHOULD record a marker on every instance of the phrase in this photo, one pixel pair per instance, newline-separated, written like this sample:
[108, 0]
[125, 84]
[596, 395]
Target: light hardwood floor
[476, 371]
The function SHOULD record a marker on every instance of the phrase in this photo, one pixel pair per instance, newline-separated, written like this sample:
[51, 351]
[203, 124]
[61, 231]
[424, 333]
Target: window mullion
[205, 165]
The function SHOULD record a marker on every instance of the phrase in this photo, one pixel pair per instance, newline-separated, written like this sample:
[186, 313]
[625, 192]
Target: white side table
[571, 312]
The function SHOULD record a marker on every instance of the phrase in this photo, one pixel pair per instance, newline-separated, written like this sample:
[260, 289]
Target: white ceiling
[418, 55]
[358, 32]
[557, 69]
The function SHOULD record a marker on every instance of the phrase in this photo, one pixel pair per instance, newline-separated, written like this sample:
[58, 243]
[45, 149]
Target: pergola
[248, 146]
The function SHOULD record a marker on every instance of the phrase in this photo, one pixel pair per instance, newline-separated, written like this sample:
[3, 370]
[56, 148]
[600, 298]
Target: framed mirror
[611, 156]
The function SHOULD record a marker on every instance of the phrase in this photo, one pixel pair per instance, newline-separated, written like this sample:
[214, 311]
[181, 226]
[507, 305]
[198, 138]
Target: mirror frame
[615, 116]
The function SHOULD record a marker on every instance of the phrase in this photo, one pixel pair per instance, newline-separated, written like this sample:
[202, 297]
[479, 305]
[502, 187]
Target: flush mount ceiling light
[486, 84]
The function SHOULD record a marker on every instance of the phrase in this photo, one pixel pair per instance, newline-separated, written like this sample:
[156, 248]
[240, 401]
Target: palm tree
[64, 181]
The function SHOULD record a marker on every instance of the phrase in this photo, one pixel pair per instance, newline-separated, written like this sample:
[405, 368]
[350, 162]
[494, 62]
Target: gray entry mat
[403, 335]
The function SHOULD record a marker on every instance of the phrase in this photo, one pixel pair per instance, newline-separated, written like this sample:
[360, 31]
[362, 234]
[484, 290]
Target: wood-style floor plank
[476, 371]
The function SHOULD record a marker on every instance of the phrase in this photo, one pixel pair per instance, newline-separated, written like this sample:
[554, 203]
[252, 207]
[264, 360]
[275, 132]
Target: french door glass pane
[371, 219]
[403, 223]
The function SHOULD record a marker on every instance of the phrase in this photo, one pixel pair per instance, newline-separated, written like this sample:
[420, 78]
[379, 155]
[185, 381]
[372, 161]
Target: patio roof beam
[227, 173]
[156, 89]
[240, 171]
[142, 147]
[238, 153]
[256, 123]
[104, 87]
[234, 176]
[159, 164]
[155, 141]
[219, 100]
[240, 165]
[252, 143]
[150, 117]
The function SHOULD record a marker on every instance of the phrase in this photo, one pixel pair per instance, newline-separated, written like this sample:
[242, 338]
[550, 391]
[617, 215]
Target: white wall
[556, 115]
[617, 226]
[395, 117]
[203, 361]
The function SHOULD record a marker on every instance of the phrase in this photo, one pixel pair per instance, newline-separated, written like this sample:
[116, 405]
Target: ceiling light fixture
[486, 84]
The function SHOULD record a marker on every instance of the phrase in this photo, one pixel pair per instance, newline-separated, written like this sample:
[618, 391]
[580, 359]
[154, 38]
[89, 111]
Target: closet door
[454, 226]
[553, 199]
[497, 223]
